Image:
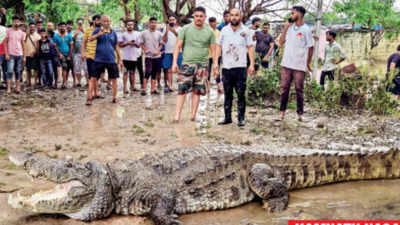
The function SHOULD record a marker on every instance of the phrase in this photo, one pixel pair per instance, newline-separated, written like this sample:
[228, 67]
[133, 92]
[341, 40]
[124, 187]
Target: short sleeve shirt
[298, 41]
[15, 37]
[90, 47]
[196, 43]
[263, 42]
[63, 43]
[170, 44]
[151, 41]
[332, 52]
[105, 49]
[234, 46]
[394, 58]
[130, 52]
[30, 44]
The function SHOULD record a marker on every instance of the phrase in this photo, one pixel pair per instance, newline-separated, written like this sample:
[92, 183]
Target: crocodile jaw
[56, 200]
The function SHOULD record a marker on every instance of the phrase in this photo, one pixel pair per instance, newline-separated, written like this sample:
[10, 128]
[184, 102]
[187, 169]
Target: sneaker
[225, 122]
[143, 93]
[78, 85]
[167, 90]
[155, 93]
[241, 123]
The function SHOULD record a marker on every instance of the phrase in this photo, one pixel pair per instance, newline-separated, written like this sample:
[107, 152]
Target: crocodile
[187, 180]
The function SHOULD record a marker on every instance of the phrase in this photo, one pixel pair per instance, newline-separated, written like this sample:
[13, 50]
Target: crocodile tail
[327, 168]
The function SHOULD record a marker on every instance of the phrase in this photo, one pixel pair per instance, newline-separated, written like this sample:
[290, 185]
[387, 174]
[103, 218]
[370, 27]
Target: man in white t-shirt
[169, 38]
[297, 56]
[129, 43]
[235, 42]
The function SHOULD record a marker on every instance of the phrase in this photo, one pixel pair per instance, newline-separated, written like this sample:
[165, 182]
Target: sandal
[114, 100]
[88, 102]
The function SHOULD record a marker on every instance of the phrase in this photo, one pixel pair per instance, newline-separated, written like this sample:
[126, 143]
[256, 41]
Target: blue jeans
[2, 59]
[14, 66]
[46, 68]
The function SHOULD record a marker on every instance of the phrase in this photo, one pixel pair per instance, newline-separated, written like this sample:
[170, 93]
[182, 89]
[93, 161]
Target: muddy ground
[57, 123]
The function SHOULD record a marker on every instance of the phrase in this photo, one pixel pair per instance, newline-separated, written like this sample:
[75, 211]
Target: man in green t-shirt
[195, 39]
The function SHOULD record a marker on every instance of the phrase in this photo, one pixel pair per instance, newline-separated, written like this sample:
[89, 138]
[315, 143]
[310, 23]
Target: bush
[355, 93]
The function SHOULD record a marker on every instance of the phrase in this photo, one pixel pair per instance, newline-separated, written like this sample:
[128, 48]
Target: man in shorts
[64, 47]
[151, 40]
[195, 39]
[106, 50]
[130, 44]
[31, 39]
[169, 38]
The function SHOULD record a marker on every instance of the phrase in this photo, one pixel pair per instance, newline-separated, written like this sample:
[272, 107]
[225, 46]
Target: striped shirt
[90, 46]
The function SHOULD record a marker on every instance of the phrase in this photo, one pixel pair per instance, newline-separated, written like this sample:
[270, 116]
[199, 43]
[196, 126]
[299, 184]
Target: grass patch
[138, 130]
[3, 151]
[149, 124]
[11, 167]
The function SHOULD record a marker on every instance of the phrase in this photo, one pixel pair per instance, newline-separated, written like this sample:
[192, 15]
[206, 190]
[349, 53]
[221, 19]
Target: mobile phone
[290, 20]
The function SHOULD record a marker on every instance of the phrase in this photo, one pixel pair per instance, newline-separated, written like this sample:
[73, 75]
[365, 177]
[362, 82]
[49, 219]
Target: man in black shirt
[265, 45]
[393, 63]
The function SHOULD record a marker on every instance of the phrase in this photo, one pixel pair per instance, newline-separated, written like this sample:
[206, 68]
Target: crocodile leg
[268, 186]
[162, 209]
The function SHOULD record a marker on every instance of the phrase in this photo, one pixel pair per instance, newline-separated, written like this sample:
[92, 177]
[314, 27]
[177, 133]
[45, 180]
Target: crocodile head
[82, 191]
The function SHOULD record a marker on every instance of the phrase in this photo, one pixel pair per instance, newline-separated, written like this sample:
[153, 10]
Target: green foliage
[264, 87]
[369, 12]
[56, 10]
[355, 93]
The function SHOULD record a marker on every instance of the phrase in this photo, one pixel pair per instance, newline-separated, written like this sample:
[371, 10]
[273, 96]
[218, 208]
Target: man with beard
[255, 25]
[195, 40]
[64, 46]
[107, 50]
[297, 56]
[88, 53]
[70, 26]
[170, 38]
[130, 43]
[236, 42]
[265, 45]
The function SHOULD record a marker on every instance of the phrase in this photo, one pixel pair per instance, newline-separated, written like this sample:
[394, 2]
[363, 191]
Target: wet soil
[57, 123]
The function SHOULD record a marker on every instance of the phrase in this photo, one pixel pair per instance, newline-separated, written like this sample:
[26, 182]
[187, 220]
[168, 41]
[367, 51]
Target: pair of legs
[93, 89]
[67, 67]
[218, 79]
[287, 76]
[191, 78]
[330, 75]
[57, 69]
[167, 66]
[130, 67]
[234, 78]
[79, 69]
[46, 68]
[14, 66]
[153, 68]
[113, 74]
[31, 64]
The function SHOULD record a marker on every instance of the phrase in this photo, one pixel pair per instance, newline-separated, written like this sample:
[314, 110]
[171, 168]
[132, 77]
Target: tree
[251, 8]
[17, 6]
[55, 10]
[370, 13]
[180, 9]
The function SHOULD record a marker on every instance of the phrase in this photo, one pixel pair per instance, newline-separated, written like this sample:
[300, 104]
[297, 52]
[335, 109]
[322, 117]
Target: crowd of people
[191, 55]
